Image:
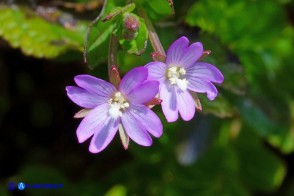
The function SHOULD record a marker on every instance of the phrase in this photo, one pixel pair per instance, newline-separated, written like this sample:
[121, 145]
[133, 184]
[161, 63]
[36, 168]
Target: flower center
[175, 76]
[117, 105]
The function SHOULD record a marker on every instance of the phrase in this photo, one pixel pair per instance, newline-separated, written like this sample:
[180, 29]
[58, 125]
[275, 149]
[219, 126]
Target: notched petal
[132, 79]
[144, 92]
[185, 104]
[95, 85]
[104, 136]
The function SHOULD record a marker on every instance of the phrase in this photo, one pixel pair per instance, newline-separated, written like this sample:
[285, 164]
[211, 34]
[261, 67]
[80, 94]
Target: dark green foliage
[242, 143]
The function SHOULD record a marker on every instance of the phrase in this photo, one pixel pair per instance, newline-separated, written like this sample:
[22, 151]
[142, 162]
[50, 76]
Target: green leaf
[220, 18]
[97, 35]
[99, 32]
[235, 80]
[219, 107]
[161, 7]
[260, 168]
[95, 43]
[138, 45]
[229, 21]
[23, 29]
[117, 190]
[119, 10]
[256, 118]
[216, 173]
[284, 139]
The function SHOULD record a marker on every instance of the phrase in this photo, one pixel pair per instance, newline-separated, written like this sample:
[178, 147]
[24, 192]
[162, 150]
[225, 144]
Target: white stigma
[117, 105]
[175, 76]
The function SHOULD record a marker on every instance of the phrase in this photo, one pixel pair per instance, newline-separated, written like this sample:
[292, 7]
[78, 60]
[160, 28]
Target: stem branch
[155, 42]
[112, 52]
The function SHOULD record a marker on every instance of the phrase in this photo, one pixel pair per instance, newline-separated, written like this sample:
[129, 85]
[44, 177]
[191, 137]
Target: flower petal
[92, 122]
[182, 55]
[95, 85]
[186, 104]
[205, 71]
[84, 98]
[144, 92]
[202, 86]
[104, 135]
[156, 71]
[132, 79]
[135, 130]
[148, 119]
[169, 101]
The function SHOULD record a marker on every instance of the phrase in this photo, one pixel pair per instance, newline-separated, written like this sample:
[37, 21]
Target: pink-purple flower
[180, 74]
[110, 107]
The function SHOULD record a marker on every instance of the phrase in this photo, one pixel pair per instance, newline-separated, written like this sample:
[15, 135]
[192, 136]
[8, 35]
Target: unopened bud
[205, 54]
[131, 25]
[114, 77]
[157, 57]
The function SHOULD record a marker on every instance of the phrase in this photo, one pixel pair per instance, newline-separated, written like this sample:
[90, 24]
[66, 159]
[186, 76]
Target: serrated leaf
[36, 37]
[162, 7]
[138, 45]
[119, 10]
[97, 34]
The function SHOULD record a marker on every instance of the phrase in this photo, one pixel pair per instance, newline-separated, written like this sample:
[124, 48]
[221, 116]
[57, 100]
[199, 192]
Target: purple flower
[181, 74]
[111, 107]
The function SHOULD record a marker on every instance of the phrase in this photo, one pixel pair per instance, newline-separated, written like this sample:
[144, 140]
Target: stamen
[126, 105]
[175, 76]
[182, 84]
[117, 105]
[182, 71]
[117, 95]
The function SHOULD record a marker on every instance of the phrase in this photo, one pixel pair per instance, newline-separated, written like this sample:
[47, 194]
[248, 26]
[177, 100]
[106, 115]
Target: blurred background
[240, 144]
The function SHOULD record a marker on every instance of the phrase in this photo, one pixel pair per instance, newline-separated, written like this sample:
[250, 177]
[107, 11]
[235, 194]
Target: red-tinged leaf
[123, 136]
[157, 57]
[205, 54]
[154, 101]
[114, 77]
[196, 101]
[82, 113]
[171, 4]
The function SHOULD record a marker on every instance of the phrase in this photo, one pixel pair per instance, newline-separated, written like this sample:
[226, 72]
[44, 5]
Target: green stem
[112, 52]
[153, 37]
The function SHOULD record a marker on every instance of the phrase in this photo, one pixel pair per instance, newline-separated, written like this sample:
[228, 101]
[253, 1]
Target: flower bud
[131, 25]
